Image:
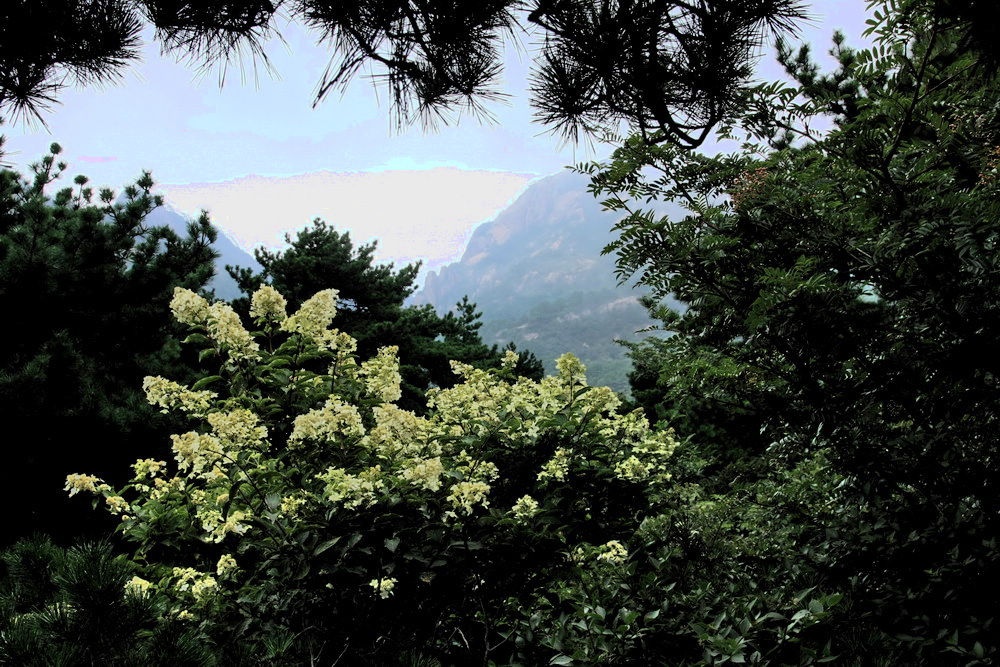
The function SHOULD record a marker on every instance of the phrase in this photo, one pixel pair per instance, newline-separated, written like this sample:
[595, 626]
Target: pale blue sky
[202, 142]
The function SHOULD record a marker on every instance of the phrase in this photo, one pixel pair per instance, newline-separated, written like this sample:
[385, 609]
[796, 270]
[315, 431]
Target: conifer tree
[84, 283]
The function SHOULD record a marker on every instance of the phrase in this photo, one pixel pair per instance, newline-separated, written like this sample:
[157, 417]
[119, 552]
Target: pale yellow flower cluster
[383, 587]
[225, 565]
[381, 375]
[138, 586]
[199, 584]
[466, 495]
[267, 305]
[198, 452]
[315, 315]
[557, 467]
[290, 505]
[217, 526]
[424, 473]
[117, 504]
[509, 360]
[352, 490]
[77, 483]
[163, 488]
[525, 508]
[333, 421]
[148, 468]
[476, 470]
[632, 469]
[612, 552]
[571, 370]
[188, 308]
[169, 395]
[238, 428]
[400, 433]
[204, 587]
[225, 327]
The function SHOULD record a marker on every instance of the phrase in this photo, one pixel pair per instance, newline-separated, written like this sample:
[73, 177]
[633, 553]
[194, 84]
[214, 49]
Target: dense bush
[309, 515]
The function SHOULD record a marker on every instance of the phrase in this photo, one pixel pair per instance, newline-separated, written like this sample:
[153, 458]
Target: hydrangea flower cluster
[345, 448]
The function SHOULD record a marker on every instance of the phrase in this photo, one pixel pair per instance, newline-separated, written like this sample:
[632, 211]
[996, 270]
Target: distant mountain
[229, 253]
[537, 274]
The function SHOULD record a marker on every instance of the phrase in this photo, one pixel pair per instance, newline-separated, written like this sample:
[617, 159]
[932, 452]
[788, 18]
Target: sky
[263, 161]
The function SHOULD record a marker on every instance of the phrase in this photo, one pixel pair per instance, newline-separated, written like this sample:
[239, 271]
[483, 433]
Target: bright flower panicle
[226, 564]
[117, 504]
[525, 508]
[195, 451]
[169, 395]
[612, 552]
[509, 360]
[313, 318]
[352, 491]
[383, 587]
[76, 483]
[268, 306]
[225, 327]
[148, 468]
[335, 420]
[238, 428]
[557, 467]
[381, 375]
[424, 473]
[400, 433]
[138, 586]
[464, 496]
[189, 308]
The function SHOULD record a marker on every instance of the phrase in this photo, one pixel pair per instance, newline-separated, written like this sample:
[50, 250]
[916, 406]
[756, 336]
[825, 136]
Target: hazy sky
[262, 161]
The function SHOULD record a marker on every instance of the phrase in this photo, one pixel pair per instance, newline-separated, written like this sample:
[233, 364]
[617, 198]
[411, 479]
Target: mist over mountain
[537, 274]
[229, 253]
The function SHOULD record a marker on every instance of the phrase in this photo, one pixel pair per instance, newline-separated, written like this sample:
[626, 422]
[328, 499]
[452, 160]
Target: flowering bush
[306, 512]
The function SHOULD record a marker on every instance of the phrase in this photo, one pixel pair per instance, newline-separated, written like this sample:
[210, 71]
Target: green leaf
[561, 659]
[205, 381]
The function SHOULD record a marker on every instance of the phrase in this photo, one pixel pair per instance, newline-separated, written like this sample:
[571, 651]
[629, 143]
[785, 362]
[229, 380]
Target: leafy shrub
[308, 517]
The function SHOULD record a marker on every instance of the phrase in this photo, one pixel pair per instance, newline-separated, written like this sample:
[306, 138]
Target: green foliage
[70, 607]
[597, 65]
[85, 284]
[371, 308]
[842, 300]
[310, 517]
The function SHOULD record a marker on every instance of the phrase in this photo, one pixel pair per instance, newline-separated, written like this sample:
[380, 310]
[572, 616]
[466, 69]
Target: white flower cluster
[383, 587]
[424, 473]
[168, 395]
[188, 308]
[381, 375]
[200, 585]
[138, 586]
[239, 428]
[76, 483]
[612, 552]
[334, 420]
[225, 565]
[225, 328]
[352, 490]
[196, 451]
[525, 508]
[557, 466]
[465, 495]
[268, 306]
[315, 315]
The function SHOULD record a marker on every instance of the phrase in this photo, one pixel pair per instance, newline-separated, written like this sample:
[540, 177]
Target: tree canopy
[843, 296]
[667, 66]
[371, 308]
[84, 282]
